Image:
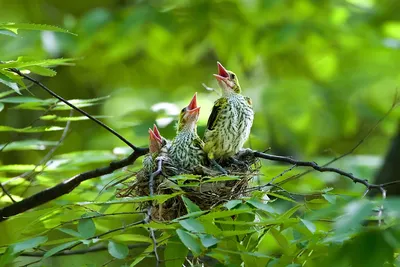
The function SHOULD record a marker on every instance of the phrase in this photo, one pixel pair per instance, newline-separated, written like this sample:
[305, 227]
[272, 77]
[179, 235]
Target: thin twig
[149, 209]
[78, 251]
[49, 154]
[30, 124]
[395, 104]
[7, 193]
[106, 233]
[123, 139]
[380, 213]
[315, 166]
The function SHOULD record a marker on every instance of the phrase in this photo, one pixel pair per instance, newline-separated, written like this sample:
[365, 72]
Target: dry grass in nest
[205, 187]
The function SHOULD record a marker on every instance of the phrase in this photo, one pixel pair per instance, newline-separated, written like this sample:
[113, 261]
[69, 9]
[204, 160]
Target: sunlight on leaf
[14, 27]
[30, 129]
[59, 248]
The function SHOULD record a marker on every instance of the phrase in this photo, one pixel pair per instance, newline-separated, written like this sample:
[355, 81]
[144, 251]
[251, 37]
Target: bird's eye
[232, 76]
[183, 110]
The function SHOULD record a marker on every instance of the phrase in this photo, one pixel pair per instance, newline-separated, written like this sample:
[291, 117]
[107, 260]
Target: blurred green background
[320, 73]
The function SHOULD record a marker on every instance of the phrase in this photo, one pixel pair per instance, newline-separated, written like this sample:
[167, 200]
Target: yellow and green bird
[230, 122]
[186, 149]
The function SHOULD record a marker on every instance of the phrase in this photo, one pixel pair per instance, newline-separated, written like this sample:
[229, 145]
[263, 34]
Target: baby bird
[186, 149]
[229, 124]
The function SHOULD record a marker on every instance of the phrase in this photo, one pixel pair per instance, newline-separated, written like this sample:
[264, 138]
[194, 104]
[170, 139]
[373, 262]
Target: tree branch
[78, 251]
[74, 107]
[395, 104]
[316, 167]
[66, 186]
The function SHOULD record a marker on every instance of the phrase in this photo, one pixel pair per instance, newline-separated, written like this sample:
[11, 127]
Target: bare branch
[66, 186]
[30, 173]
[149, 208]
[316, 167]
[78, 251]
[394, 105]
[7, 193]
[75, 107]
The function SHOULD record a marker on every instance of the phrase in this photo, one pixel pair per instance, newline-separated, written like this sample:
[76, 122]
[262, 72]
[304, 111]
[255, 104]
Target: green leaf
[261, 206]
[190, 241]
[224, 213]
[281, 197]
[232, 203]
[330, 198]
[59, 248]
[32, 144]
[30, 129]
[42, 71]
[237, 232]
[190, 206]
[14, 27]
[10, 83]
[118, 250]
[70, 232]
[192, 225]
[8, 33]
[159, 198]
[29, 244]
[355, 213]
[53, 117]
[7, 257]
[132, 238]
[1, 106]
[20, 99]
[18, 167]
[208, 240]
[175, 253]
[310, 226]
[44, 63]
[14, 249]
[221, 178]
[142, 256]
[6, 93]
[191, 215]
[290, 212]
[86, 228]
[281, 239]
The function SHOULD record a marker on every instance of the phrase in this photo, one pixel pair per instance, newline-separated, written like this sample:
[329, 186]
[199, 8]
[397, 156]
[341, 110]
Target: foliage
[320, 74]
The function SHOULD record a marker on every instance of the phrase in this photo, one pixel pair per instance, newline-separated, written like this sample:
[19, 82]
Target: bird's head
[227, 80]
[155, 140]
[189, 115]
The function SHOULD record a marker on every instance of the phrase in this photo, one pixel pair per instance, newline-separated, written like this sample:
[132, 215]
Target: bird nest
[205, 187]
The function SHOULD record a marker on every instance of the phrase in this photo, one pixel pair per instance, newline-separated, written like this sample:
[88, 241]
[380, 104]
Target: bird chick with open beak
[230, 122]
[186, 150]
[158, 146]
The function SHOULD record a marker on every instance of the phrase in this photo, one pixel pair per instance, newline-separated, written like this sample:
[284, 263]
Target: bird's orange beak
[222, 73]
[192, 107]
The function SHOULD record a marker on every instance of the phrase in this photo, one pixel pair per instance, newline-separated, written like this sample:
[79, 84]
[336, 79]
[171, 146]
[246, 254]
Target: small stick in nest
[150, 206]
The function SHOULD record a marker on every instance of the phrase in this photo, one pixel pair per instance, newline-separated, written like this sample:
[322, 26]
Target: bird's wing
[215, 112]
[249, 101]
[198, 142]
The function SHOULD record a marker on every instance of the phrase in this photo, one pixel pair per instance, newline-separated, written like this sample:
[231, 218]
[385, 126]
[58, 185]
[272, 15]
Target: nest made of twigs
[205, 187]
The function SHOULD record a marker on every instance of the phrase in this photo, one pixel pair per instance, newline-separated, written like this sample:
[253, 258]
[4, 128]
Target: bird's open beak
[154, 138]
[192, 107]
[222, 73]
[156, 132]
